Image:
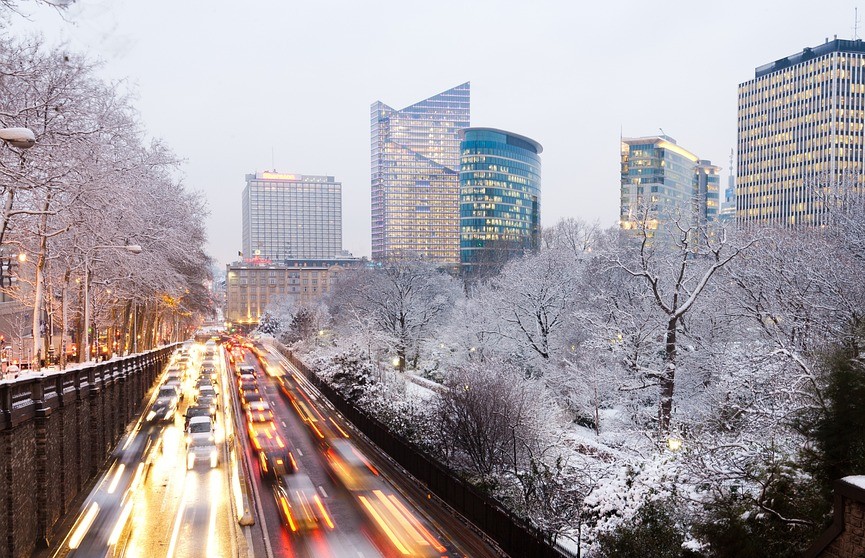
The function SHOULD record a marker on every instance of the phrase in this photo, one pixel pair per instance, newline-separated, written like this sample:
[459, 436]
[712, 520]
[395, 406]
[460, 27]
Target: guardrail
[512, 533]
[57, 429]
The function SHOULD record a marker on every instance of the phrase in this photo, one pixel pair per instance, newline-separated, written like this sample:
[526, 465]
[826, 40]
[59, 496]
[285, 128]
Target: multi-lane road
[333, 493]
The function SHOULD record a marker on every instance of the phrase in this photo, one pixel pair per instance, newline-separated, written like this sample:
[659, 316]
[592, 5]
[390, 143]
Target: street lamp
[22, 138]
[132, 249]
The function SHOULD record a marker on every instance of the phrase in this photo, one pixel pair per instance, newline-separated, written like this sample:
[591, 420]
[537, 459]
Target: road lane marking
[299, 453]
[321, 489]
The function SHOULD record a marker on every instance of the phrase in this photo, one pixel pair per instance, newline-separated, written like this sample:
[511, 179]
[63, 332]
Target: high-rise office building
[289, 216]
[662, 182]
[500, 198]
[415, 177]
[800, 141]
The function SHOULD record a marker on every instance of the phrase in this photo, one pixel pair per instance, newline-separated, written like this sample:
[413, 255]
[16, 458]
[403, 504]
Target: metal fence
[513, 534]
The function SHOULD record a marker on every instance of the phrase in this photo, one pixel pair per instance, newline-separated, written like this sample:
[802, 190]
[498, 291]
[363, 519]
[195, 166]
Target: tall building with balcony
[290, 216]
[662, 182]
[415, 177]
[500, 198]
[801, 143]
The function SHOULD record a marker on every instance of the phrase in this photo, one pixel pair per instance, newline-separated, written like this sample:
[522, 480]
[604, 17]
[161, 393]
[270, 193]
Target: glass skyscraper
[801, 141]
[415, 177]
[290, 216]
[661, 182]
[500, 198]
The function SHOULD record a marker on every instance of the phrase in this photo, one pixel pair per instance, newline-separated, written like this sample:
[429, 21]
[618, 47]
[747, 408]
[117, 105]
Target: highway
[333, 494]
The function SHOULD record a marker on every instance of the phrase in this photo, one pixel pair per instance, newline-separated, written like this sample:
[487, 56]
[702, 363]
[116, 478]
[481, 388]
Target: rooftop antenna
[856, 23]
[272, 163]
[662, 132]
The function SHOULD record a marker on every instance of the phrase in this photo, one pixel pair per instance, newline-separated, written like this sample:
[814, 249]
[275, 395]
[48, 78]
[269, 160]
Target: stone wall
[845, 538]
[57, 432]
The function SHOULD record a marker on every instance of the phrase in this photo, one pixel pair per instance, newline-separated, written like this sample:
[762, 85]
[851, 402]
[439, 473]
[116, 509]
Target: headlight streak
[84, 524]
[383, 525]
[121, 523]
[113, 486]
[235, 487]
[214, 501]
[181, 511]
[407, 527]
[408, 515]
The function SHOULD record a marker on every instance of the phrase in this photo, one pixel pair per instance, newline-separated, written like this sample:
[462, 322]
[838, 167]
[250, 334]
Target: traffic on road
[236, 454]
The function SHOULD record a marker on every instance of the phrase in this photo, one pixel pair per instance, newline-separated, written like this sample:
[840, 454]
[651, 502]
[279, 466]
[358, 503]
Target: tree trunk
[668, 379]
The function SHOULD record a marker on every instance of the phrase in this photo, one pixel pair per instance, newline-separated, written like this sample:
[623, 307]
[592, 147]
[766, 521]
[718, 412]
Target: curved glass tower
[500, 198]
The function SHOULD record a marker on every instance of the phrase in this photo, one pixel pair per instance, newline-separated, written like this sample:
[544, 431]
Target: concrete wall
[56, 434]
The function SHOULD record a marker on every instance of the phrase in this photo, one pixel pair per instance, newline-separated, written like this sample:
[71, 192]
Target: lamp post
[131, 248]
[22, 138]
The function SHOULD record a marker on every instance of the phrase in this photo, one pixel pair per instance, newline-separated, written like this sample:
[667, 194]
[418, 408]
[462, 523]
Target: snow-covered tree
[404, 302]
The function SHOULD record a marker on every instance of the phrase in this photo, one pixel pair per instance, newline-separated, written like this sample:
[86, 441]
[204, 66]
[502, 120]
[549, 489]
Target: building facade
[800, 135]
[288, 216]
[415, 162]
[251, 287]
[662, 182]
[500, 198]
[728, 205]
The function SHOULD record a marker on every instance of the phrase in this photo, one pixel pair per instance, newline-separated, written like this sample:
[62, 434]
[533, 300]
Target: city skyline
[310, 113]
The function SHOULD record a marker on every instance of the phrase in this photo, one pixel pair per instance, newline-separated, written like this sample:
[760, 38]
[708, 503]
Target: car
[206, 389]
[300, 505]
[349, 466]
[259, 411]
[201, 443]
[196, 411]
[176, 384]
[245, 369]
[209, 401]
[209, 371]
[273, 456]
[165, 405]
[247, 397]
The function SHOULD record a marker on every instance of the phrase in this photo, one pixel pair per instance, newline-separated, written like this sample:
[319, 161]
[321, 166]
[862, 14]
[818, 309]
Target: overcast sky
[239, 87]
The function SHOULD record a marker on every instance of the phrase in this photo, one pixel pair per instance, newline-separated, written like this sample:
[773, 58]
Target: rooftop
[836, 45]
[522, 141]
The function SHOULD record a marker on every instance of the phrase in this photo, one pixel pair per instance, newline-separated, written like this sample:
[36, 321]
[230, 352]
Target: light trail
[214, 501]
[121, 523]
[181, 510]
[383, 525]
[84, 525]
[113, 486]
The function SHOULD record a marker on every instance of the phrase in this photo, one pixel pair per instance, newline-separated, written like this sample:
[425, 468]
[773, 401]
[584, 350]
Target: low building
[252, 285]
